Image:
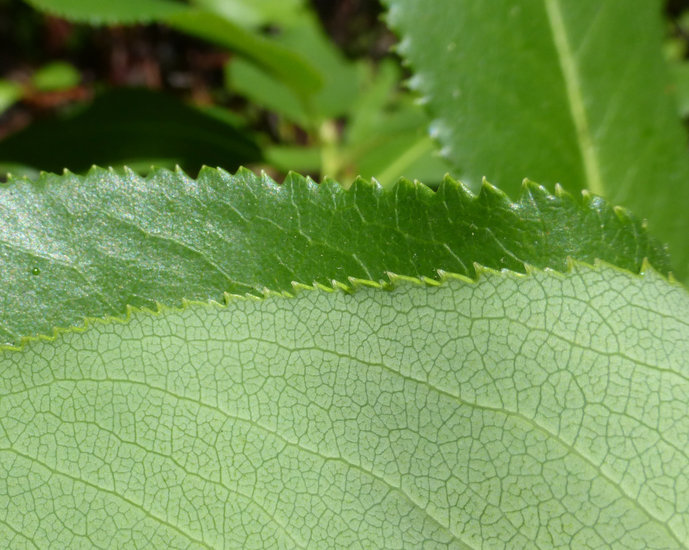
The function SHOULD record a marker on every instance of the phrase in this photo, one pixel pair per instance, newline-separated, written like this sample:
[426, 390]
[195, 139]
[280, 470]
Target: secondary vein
[576, 101]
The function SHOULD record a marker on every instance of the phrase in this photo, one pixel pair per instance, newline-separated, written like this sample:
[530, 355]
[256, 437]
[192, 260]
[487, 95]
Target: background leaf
[569, 92]
[541, 411]
[56, 76]
[128, 126]
[290, 68]
[254, 13]
[117, 12]
[72, 246]
[205, 24]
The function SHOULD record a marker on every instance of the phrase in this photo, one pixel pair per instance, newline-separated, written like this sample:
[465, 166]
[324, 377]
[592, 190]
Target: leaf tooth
[298, 287]
[570, 264]
[560, 191]
[396, 280]
[294, 179]
[529, 269]
[335, 285]
[376, 184]
[206, 173]
[445, 276]
[267, 180]
[448, 183]
[405, 186]
[227, 297]
[356, 283]
[645, 266]
[242, 172]
[489, 192]
[587, 197]
[479, 270]
[179, 171]
[535, 191]
[95, 171]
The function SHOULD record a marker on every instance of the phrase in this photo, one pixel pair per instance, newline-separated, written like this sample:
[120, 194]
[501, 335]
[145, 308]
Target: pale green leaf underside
[572, 92]
[543, 410]
[73, 246]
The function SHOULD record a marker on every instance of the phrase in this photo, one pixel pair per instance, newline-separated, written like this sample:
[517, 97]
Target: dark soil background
[156, 57]
[148, 56]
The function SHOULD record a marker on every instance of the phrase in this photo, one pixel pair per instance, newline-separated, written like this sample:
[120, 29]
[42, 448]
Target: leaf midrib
[570, 75]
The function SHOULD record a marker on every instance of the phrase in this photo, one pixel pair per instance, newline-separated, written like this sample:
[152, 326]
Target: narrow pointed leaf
[539, 411]
[571, 92]
[72, 246]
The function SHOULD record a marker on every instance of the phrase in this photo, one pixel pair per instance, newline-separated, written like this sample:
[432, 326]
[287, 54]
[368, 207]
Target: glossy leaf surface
[73, 246]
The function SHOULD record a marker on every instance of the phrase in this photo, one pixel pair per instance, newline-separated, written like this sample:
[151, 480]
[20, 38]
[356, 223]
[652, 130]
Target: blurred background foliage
[275, 85]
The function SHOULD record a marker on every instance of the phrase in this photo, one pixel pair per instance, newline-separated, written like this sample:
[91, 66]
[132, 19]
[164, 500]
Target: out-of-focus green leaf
[286, 65]
[299, 159]
[574, 92]
[342, 79]
[99, 12]
[56, 76]
[680, 73]
[254, 13]
[129, 125]
[412, 153]
[72, 246]
[385, 137]
[372, 104]
[266, 90]
[10, 92]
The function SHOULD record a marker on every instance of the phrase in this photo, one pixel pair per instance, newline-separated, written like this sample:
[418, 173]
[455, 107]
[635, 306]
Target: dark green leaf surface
[73, 246]
[572, 92]
[129, 126]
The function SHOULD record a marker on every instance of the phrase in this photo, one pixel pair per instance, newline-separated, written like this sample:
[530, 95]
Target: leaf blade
[121, 12]
[550, 91]
[396, 404]
[73, 246]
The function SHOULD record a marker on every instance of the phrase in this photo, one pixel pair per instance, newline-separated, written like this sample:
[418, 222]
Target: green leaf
[208, 25]
[539, 411]
[385, 137]
[73, 246]
[266, 90]
[58, 75]
[10, 93]
[254, 13]
[124, 126]
[111, 12]
[680, 74]
[569, 92]
[289, 67]
[340, 78]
